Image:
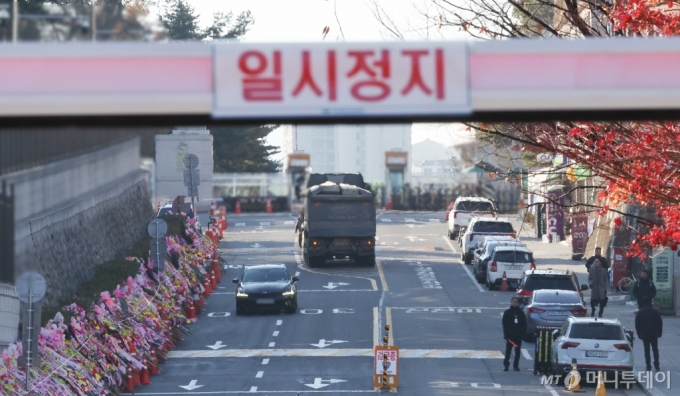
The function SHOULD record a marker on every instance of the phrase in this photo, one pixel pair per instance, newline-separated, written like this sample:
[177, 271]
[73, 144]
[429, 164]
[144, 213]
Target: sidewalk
[558, 256]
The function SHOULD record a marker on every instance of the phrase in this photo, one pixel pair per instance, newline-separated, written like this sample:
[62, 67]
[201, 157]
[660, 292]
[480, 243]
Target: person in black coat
[514, 330]
[597, 256]
[644, 287]
[649, 326]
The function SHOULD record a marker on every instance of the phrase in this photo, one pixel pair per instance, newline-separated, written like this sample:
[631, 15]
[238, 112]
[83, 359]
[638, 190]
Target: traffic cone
[191, 311]
[135, 374]
[129, 381]
[144, 378]
[158, 208]
[212, 208]
[238, 207]
[206, 286]
[574, 384]
[213, 281]
[201, 301]
[223, 217]
[504, 283]
[153, 365]
[600, 390]
[269, 205]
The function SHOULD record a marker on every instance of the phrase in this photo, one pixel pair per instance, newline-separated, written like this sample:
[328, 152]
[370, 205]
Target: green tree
[243, 149]
[181, 20]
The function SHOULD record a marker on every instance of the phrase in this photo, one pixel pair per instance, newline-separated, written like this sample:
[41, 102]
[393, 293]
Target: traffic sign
[157, 228]
[192, 177]
[191, 161]
[390, 365]
[29, 283]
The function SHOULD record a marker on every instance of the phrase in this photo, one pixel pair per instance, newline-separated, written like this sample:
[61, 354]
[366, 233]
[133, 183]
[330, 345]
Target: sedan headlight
[290, 292]
[241, 293]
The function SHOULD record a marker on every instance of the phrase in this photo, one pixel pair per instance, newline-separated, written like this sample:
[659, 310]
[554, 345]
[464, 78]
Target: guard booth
[297, 171]
[396, 164]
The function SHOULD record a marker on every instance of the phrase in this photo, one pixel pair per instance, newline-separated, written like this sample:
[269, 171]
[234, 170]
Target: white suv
[596, 344]
[464, 209]
[511, 261]
[479, 228]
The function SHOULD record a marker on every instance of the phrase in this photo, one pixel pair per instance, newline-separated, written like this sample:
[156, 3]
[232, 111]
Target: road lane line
[465, 267]
[271, 344]
[279, 322]
[265, 361]
[551, 390]
[383, 282]
[253, 388]
[276, 334]
[259, 374]
[376, 327]
[339, 352]
[388, 316]
[526, 354]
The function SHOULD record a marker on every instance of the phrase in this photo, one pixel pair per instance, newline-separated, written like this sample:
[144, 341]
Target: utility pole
[15, 21]
[94, 21]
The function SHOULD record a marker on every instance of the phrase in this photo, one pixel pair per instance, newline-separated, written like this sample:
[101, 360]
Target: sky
[348, 20]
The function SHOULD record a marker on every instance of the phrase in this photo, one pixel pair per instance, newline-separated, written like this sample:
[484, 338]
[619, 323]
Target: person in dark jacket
[514, 330]
[649, 326]
[299, 228]
[597, 277]
[597, 256]
[644, 287]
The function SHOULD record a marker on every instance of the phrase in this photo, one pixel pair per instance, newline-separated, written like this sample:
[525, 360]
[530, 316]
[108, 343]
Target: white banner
[340, 79]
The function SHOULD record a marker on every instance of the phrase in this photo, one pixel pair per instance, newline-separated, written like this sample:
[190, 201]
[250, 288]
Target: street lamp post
[15, 20]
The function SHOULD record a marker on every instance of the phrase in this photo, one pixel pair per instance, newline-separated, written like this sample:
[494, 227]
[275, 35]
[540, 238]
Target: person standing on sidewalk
[644, 287]
[299, 228]
[597, 278]
[649, 326]
[514, 330]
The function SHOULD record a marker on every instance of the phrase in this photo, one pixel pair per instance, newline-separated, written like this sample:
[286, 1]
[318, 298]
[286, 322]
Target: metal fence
[25, 148]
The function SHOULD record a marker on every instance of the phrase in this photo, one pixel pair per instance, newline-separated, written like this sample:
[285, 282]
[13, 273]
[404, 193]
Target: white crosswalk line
[240, 224]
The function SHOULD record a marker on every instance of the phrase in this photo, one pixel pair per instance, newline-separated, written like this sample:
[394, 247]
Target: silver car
[550, 308]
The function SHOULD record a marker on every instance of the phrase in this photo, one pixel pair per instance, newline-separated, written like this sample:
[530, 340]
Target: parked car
[464, 209]
[550, 308]
[511, 261]
[548, 279]
[266, 287]
[597, 345]
[483, 253]
[479, 228]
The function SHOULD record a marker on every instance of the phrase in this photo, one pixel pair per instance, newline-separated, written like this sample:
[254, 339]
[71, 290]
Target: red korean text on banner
[307, 78]
[263, 81]
[377, 71]
[416, 79]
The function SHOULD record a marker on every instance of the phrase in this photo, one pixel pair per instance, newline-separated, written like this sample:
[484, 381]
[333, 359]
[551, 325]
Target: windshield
[493, 226]
[589, 331]
[511, 256]
[557, 298]
[548, 282]
[474, 206]
[266, 275]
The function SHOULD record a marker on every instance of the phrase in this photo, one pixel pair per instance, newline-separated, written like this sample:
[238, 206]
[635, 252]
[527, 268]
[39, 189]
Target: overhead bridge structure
[52, 84]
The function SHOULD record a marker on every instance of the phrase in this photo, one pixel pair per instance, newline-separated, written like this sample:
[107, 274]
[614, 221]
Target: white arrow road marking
[217, 346]
[256, 245]
[219, 314]
[319, 383]
[411, 238]
[323, 343]
[332, 285]
[343, 310]
[192, 385]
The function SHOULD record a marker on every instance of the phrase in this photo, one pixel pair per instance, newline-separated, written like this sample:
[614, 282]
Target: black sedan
[266, 287]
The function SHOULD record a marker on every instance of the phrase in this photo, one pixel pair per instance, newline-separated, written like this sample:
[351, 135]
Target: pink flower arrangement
[90, 354]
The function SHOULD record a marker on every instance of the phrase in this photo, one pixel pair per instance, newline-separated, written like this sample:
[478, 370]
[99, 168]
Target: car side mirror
[295, 279]
[235, 280]
[584, 287]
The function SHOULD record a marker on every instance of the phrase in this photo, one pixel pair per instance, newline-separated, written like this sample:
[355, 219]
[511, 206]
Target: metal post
[15, 21]
[29, 341]
[158, 252]
[94, 21]
[191, 181]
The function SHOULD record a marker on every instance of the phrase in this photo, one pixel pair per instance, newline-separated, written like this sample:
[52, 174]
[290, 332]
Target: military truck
[339, 220]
